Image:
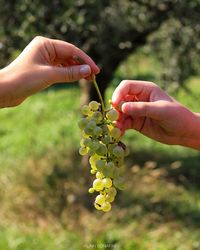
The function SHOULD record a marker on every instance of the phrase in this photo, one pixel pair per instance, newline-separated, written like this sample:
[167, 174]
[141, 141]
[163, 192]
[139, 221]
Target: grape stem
[99, 94]
[81, 61]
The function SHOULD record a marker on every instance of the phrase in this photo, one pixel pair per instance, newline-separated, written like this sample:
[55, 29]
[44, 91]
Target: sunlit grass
[40, 168]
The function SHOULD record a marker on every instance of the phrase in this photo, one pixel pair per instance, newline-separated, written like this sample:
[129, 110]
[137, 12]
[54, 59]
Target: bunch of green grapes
[101, 141]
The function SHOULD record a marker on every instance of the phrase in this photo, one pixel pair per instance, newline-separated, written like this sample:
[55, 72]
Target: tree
[108, 30]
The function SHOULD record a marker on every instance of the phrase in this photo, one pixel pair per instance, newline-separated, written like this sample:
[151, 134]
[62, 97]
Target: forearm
[8, 88]
[3, 88]
[193, 141]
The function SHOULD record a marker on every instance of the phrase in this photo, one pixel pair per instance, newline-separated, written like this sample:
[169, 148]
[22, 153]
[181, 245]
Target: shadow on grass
[63, 180]
[161, 211]
[183, 170]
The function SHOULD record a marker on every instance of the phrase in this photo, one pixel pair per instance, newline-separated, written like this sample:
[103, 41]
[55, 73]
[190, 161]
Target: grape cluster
[101, 141]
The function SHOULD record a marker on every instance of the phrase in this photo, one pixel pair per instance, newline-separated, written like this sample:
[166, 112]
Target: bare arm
[143, 106]
[43, 62]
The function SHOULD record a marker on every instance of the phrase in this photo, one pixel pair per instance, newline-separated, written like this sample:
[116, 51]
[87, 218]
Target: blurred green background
[43, 183]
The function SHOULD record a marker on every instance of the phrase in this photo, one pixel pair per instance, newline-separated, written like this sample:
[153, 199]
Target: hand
[43, 62]
[143, 106]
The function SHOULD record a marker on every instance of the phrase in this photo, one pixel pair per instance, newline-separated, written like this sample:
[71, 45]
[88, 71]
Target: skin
[42, 63]
[145, 107]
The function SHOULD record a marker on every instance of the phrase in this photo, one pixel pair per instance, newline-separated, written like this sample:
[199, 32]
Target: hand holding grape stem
[43, 62]
[143, 106]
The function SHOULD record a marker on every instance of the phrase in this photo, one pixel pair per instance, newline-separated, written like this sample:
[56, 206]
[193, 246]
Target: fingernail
[85, 70]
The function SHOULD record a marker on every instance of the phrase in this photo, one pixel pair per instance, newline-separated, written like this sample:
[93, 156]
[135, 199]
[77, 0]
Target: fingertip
[125, 108]
[114, 100]
[82, 58]
[121, 127]
[97, 70]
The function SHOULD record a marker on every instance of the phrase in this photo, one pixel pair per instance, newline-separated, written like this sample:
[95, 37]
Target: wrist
[192, 139]
[7, 93]
[3, 86]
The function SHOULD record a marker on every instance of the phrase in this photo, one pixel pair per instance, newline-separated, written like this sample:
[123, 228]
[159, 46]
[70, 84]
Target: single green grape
[106, 206]
[87, 142]
[115, 133]
[93, 159]
[82, 123]
[84, 135]
[112, 115]
[102, 150]
[97, 116]
[82, 143]
[107, 182]
[109, 171]
[91, 123]
[98, 207]
[100, 165]
[112, 191]
[91, 152]
[97, 131]
[111, 147]
[110, 198]
[83, 151]
[118, 151]
[98, 184]
[85, 110]
[88, 130]
[91, 190]
[100, 199]
[93, 171]
[106, 139]
[94, 105]
[99, 175]
[95, 145]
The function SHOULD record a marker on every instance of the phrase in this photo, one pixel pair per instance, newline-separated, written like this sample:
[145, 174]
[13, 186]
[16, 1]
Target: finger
[64, 51]
[67, 74]
[145, 109]
[131, 87]
[124, 124]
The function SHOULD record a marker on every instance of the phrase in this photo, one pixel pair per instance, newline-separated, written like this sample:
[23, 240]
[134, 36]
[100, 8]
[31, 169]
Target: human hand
[43, 62]
[143, 106]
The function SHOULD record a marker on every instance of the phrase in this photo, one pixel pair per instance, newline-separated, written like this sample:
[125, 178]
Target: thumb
[148, 109]
[69, 73]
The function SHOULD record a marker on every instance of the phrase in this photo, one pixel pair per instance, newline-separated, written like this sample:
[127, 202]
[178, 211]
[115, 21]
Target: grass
[39, 125]
[43, 187]
[12, 238]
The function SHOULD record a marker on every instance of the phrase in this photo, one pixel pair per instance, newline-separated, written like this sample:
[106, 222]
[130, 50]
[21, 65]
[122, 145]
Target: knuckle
[39, 38]
[153, 84]
[125, 82]
[70, 74]
[145, 109]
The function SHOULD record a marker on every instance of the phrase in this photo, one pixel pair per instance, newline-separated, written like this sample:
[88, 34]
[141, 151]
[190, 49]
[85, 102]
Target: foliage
[109, 30]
